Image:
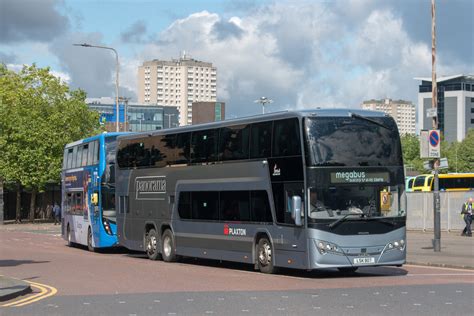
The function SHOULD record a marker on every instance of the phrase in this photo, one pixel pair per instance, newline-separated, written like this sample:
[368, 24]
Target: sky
[301, 54]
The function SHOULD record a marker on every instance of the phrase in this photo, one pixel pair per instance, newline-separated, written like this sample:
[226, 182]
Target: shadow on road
[14, 263]
[316, 274]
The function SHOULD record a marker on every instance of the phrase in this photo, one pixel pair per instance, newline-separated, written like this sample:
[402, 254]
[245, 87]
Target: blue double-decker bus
[88, 192]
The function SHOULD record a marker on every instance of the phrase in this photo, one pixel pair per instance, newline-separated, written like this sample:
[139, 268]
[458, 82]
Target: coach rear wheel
[152, 245]
[265, 256]
[168, 250]
[89, 240]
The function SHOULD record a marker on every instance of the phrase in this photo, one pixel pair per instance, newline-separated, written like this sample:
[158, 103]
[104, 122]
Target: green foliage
[411, 152]
[460, 154]
[39, 115]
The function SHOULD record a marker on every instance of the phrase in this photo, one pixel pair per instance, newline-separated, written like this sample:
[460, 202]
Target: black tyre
[348, 269]
[265, 256]
[151, 245]
[168, 247]
[68, 236]
[89, 240]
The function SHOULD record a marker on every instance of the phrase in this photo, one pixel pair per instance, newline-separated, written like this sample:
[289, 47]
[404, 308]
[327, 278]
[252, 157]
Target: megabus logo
[359, 177]
[150, 188]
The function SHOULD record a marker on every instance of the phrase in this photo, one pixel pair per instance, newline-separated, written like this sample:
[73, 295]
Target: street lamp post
[263, 101]
[116, 79]
[169, 119]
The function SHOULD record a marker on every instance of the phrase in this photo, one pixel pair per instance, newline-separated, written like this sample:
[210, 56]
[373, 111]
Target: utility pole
[434, 104]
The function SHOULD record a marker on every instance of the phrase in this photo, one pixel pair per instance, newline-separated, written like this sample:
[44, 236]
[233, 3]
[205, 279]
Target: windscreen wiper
[343, 218]
[353, 115]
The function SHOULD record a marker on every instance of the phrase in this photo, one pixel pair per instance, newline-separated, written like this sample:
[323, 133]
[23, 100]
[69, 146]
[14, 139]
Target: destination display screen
[359, 177]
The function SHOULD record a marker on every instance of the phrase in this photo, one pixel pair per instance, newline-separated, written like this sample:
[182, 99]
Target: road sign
[434, 148]
[431, 112]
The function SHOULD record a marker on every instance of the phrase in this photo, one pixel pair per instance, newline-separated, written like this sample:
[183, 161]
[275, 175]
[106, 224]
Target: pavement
[456, 252]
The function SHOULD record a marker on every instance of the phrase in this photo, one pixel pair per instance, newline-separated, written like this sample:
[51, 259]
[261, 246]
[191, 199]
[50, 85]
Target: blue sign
[434, 138]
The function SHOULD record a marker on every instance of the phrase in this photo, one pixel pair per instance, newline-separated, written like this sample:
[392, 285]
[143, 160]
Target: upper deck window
[352, 141]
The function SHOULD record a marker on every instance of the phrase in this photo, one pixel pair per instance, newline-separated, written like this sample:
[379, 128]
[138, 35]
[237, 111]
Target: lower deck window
[241, 206]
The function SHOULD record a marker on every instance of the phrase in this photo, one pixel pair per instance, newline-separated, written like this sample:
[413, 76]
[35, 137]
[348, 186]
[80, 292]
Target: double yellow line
[45, 292]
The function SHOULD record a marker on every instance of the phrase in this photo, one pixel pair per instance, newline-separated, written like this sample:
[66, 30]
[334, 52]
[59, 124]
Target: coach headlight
[397, 244]
[325, 247]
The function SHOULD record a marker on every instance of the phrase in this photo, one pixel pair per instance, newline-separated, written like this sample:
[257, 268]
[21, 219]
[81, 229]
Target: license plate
[364, 260]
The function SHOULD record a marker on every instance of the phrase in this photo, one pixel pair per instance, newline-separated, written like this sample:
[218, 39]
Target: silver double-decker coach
[306, 189]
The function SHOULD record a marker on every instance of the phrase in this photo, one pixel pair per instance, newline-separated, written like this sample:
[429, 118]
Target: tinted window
[260, 208]
[155, 148]
[352, 141]
[204, 146]
[74, 203]
[205, 205]
[70, 156]
[184, 205]
[260, 140]
[85, 154]
[234, 142]
[78, 157]
[234, 206]
[286, 138]
[183, 143]
[419, 181]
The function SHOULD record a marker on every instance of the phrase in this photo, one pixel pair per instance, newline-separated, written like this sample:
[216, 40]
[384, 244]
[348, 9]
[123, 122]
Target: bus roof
[260, 118]
[95, 137]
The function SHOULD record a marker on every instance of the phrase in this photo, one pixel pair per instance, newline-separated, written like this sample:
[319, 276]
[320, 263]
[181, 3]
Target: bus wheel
[89, 240]
[152, 245]
[168, 249]
[68, 236]
[265, 256]
[348, 269]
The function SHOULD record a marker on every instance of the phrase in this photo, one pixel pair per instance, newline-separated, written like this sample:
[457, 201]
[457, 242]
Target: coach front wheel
[265, 256]
[89, 240]
[69, 238]
[168, 248]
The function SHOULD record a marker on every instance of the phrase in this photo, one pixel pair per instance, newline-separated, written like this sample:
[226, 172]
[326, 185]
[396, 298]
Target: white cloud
[300, 55]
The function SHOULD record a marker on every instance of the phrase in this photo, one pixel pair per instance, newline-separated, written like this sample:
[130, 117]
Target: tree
[465, 153]
[39, 114]
[411, 151]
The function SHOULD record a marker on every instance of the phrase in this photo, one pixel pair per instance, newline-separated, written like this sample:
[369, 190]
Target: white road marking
[209, 312]
[253, 298]
[376, 293]
[350, 306]
[221, 299]
[432, 292]
[404, 292]
[245, 310]
[314, 295]
[344, 294]
[448, 303]
[316, 307]
[458, 291]
[284, 296]
[86, 303]
[190, 300]
[122, 302]
[383, 305]
[417, 304]
[280, 309]
[156, 301]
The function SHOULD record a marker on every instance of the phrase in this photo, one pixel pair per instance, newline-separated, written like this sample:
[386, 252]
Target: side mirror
[296, 209]
[95, 199]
